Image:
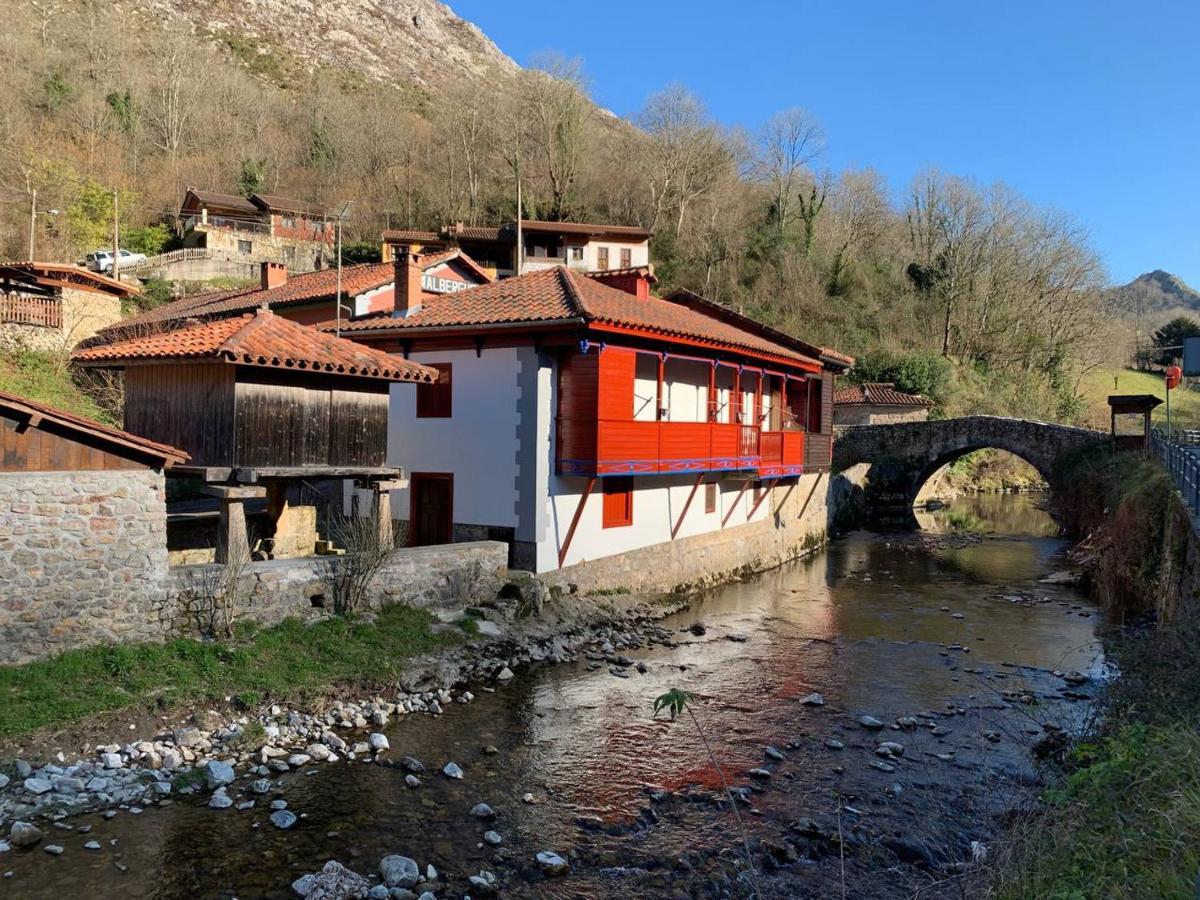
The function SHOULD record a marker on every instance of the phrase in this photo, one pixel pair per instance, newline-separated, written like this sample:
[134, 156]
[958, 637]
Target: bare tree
[787, 143]
[559, 110]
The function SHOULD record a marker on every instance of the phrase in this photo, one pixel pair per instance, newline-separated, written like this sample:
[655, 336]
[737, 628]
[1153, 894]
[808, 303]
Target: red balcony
[781, 453]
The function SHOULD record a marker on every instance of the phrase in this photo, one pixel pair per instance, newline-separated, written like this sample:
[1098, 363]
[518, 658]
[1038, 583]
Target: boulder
[24, 835]
[399, 871]
[218, 773]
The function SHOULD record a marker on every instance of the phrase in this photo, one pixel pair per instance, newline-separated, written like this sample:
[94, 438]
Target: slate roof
[263, 339]
[877, 393]
[562, 295]
[23, 410]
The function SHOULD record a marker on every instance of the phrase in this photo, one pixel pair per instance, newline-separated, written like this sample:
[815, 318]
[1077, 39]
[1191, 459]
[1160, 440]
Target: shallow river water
[951, 626]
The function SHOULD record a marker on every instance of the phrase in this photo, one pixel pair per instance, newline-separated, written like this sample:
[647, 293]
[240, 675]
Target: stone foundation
[803, 514]
[83, 558]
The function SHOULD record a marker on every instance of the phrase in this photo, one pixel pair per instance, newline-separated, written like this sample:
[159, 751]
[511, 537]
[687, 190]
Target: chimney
[273, 275]
[407, 265]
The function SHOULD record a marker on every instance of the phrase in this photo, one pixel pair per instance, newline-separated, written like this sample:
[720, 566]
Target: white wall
[478, 444]
[639, 253]
[657, 503]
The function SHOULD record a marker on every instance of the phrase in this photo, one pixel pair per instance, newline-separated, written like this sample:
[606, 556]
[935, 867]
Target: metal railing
[1182, 462]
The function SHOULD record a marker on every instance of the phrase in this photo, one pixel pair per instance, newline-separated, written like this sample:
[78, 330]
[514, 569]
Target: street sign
[1191, 356]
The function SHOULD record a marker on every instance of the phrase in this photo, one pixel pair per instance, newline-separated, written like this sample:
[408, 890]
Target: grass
[45, 377]
[1099, 383]
[285, 660]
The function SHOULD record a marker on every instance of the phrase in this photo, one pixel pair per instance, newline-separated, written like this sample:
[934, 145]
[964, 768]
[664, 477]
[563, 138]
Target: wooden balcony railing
[627, 447]
[43, 311]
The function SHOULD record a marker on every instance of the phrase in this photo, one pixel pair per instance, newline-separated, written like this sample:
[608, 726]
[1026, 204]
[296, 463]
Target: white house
[577, 420]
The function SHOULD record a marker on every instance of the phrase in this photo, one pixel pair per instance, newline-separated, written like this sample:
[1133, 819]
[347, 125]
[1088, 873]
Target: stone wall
[83, 559]
[440, 579]
[869, 414]
[803, 514]
[84, 313]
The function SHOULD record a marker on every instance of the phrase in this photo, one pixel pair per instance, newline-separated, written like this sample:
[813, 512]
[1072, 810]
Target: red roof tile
[26, 410]
[404, 235]
[264, 340]
[68, 275]
[560, 294]
[877, 394]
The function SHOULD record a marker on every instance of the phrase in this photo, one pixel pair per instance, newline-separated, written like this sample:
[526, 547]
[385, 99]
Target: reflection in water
[1015, 514]
[879, 625]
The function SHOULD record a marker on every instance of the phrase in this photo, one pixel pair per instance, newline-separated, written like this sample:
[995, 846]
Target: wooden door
[431, 519]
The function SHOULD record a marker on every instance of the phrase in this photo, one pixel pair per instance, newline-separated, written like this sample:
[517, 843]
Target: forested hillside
[969, 293]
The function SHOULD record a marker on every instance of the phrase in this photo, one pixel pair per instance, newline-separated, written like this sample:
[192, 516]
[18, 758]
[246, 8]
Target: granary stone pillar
[383, 508]
[233, 538]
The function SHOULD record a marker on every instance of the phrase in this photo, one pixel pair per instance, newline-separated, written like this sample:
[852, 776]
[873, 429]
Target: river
[951, 626]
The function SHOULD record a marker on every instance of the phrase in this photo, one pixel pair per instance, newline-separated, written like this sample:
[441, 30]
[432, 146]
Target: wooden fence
[44, 311]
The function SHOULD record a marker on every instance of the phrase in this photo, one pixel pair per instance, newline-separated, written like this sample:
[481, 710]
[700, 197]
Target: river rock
[379, 892]
[412, 781]
[218, 773]
[53, 849]
[870, 722]
[737, 637]
[775, 754]
[296, 760]
[452, 770]
[813, 699]
[882, 766]
[835, 744]
[483, 811]
[761, 774]
[399, 871]
[378, 742]
[3, 781]
[484, 883]
[112, 761]
[92, 845]
[505, 674]
[333, 882]
[319, 752]
[261, 786]
[38, 785]
[220, 799]
[23, 835]
[552, 863]
[410, 764]
[493, 838]
[282, 818]
[889, 749]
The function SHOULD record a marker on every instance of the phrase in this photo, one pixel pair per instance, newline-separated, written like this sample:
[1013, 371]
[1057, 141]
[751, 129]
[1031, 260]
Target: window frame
[617, 508]
[626, 258]
[601, 258]
[436, 401]
[710, 497]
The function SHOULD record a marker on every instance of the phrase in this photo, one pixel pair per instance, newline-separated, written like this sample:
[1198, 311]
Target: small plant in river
[676, 701]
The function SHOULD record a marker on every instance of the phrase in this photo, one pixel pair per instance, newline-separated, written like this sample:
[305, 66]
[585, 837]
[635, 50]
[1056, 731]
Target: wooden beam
[767, 485]
[658, 402]
[587, 492]
[687, 503]
[736, 501]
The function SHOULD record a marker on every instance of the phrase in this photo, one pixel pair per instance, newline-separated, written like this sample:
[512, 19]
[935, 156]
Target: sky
[1092, 108]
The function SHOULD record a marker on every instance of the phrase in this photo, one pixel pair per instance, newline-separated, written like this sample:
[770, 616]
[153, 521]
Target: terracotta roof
[287, 204]
[227, 201]
[263, 339]
[432, 260]
[585, 228]
[12, 406]
[877, 394]
[78, 276]
[560, 294]
[646, 272]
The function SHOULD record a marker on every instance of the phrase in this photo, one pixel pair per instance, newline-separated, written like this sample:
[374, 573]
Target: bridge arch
[902, 457]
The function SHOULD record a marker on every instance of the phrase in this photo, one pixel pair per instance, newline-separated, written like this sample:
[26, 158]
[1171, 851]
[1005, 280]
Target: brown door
[432, 515]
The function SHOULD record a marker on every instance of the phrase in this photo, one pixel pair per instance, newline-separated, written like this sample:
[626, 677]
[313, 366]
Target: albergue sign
[436, 284]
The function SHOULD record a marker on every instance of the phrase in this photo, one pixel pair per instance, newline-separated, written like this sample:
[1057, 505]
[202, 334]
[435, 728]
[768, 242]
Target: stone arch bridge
[902, 457]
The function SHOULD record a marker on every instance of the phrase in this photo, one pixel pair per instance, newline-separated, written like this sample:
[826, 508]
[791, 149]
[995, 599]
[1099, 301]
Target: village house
[577, 420]
[263, 405]
[878, 403]
[311, 297]
[54, 306]
[583, 246]
[261, 227]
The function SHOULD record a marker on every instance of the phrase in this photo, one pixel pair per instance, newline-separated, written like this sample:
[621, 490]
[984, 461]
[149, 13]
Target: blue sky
[1090, 107]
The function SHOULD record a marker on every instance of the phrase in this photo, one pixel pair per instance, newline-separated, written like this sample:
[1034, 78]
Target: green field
[1099, 383]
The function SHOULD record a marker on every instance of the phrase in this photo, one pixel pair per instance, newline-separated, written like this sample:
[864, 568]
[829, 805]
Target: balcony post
[658, 409]
[735, 402]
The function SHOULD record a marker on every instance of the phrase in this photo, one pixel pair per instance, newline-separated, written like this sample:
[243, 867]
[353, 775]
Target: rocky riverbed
[875, 709]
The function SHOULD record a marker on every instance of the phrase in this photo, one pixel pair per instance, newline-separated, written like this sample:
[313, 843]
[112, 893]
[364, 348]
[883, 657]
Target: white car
[102, 260]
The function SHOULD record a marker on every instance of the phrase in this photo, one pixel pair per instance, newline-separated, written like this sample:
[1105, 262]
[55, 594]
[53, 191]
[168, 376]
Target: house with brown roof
[878, 403]
[261, 227]
[54, 306]
[584, 246]
[579, 417]
[262, 404]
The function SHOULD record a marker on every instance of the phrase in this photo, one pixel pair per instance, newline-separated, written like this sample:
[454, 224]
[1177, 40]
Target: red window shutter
[618, 502]
[434, 401]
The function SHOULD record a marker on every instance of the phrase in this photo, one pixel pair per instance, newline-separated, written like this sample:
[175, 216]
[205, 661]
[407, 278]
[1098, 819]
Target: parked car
[102, 260]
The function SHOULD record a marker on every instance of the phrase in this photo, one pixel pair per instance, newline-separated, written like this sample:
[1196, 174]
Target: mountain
[1156, 295]
[410, 42]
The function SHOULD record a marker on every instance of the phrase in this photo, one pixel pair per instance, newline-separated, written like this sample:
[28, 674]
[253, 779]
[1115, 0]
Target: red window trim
[618, 502]
[436, 401]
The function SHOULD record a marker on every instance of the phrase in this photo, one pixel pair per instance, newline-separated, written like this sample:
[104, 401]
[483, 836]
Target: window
[434, 400]
[626, 257]
[245, 247]
[601, 257]
[618, 502]
[710, 497]
[576, 254]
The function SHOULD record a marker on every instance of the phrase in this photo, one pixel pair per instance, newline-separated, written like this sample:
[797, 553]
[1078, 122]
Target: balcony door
[431, 519]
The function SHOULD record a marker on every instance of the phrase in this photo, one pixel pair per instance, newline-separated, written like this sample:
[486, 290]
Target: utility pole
[342, 213]
[32, 221]
[520, 239]
[116, 264]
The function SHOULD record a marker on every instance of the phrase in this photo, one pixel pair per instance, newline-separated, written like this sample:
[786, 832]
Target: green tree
[149, 239]
[251, 176]
[56, 91]
[917, 372]
[1171, 335]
